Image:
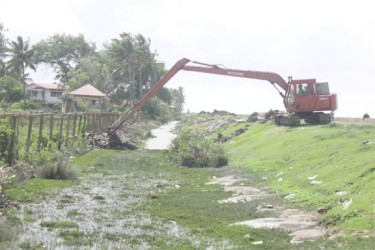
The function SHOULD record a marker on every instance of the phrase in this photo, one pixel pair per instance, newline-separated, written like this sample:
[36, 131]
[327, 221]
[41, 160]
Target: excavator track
[318, 118]
[287, 120]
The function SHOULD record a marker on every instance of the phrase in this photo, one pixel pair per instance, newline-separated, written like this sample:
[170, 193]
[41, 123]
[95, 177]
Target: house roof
[51, 86]
[87, 90]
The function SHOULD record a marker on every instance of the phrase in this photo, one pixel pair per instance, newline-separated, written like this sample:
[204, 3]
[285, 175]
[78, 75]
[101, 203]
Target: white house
[48, 93]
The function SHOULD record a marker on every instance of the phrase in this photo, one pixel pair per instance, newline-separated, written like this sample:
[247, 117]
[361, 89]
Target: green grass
[59, 224]
[195, 206]
[36, 189]
[334, 153]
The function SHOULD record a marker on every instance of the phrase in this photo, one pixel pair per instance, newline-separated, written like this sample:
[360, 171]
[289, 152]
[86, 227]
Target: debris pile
[129, 137]
[99, 139]
[215, 126]
[263, 117]
[218, 112]
[222, 139]
[120, 140]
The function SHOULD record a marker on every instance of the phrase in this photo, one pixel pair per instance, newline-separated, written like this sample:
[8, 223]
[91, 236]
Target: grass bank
[330, 168]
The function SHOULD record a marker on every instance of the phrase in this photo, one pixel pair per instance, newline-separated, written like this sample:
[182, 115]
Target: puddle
[301, 225]
[163, 136]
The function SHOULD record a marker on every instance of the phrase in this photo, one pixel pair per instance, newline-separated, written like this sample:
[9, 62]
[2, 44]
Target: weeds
[192, 149]
[58, 169]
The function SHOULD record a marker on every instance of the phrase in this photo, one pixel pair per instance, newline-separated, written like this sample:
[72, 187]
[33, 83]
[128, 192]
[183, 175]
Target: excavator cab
[307, 99]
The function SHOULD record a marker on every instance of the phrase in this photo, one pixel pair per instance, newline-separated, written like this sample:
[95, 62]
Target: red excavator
[303, 99]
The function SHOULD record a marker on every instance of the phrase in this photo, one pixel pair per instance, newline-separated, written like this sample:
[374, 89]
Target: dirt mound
[218, 112]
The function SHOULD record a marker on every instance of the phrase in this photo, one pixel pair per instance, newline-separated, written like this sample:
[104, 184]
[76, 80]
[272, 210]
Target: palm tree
[134, 62]
[21, 59]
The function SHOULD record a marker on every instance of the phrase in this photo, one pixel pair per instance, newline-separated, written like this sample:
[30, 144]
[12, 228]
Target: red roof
[52, 86]
[87, 90]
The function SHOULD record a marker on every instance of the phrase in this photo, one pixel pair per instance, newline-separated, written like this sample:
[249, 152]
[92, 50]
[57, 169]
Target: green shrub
[32, 105]
[191, 149]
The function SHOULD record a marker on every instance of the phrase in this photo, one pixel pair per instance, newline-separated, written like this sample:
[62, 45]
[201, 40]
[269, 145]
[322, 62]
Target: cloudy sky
[332, 41]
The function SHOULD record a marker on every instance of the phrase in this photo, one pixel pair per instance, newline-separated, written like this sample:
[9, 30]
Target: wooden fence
[33, 132]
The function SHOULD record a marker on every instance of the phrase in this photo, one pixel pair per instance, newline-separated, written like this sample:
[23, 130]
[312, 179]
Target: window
[56, 94]
[302, 89]
[34, 93]
[322, 88]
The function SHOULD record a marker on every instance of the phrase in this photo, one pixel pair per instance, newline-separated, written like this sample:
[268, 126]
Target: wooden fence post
[100, 121]
[28, 140]
[84, 126]
[79, 125]
[51, 127]
[74, 124]
[13, 127]
[61, 129]
[67, 130]
[40, 132]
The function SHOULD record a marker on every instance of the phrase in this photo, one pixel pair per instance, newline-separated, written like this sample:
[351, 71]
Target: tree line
[125, 69]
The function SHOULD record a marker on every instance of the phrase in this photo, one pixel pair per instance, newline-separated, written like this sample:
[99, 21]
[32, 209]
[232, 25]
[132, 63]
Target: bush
[157, 110]
[192, 149]
[58, 169]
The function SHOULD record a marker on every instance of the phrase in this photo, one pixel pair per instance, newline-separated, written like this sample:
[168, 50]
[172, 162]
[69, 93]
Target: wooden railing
[33, 132]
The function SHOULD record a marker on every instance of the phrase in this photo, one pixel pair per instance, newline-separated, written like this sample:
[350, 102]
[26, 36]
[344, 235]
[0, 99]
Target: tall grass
[58, 169]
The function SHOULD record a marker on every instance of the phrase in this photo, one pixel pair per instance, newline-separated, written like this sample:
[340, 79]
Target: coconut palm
[20, 60]
[134, 63]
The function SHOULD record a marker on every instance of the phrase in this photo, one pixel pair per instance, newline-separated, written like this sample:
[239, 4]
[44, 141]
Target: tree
[95, 71]
[178, 99]
[3, 49]
[134, 64]
[10, 90]
[63, 53]
[20, 60]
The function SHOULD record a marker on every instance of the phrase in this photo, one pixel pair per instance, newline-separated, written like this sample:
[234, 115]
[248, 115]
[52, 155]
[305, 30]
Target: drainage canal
[162, 137]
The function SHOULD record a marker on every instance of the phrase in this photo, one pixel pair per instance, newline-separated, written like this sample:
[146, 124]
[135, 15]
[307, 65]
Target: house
[47, 93]
[84, 98]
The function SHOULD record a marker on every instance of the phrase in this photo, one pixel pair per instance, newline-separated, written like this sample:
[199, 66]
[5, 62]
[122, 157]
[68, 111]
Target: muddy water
[163, 136]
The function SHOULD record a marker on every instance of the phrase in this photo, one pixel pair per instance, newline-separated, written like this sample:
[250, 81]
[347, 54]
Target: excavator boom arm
[273, 78]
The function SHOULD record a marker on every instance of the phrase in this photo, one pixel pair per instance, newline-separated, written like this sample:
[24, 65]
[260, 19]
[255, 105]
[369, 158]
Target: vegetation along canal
[141, 200]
